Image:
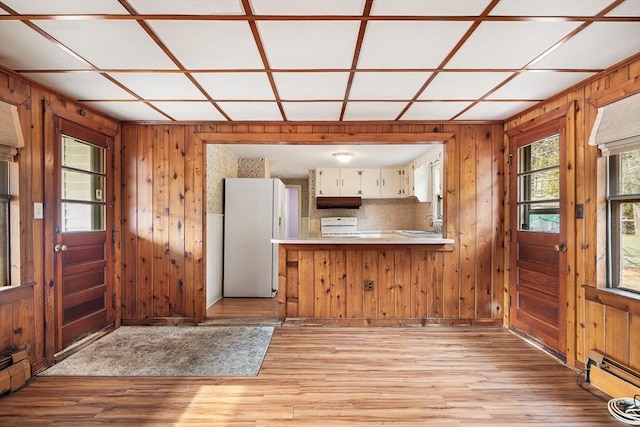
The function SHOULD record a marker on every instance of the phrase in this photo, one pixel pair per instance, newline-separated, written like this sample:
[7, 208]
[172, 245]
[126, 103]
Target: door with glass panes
[82, 246]
[538, 214]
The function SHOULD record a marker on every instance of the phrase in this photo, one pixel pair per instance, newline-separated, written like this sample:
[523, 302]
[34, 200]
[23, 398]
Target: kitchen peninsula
[379, 278]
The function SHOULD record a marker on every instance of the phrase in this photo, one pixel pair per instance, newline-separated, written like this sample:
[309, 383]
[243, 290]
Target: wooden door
[82, 247]
[538, 217]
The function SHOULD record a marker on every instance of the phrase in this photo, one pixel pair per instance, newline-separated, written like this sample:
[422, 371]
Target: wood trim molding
[616, 298]
[615, 93]
[78, 115]
[12, 294]
[12, 96]
[556, 113]
[322, 138]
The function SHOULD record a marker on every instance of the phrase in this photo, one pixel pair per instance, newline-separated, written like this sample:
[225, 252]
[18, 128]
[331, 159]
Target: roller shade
[617, 126]
[10, 131]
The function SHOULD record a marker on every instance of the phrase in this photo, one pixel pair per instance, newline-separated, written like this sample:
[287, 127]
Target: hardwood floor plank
[363, 376]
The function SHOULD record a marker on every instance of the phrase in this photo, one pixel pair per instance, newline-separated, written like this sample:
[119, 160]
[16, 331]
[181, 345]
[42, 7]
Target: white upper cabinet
[391, 182]
[370, 183]
[407, 181]
[327, 182]
[350, 182]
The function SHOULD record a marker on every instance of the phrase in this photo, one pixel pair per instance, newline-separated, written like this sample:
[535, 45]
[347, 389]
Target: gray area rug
[167, 351]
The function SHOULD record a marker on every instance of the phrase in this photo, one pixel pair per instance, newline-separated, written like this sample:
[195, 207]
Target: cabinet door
[370, 183]
[391, 179]
[407, 181]
[350, 182]
[327, 182]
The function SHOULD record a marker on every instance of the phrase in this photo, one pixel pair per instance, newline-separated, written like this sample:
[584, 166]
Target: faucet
[432, 221]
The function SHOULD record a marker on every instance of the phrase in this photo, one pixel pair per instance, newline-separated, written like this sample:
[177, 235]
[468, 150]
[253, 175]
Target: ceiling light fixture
[343, 157]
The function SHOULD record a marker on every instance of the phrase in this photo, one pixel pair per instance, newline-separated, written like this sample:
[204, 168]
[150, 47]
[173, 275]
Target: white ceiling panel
[434, 110]
[373, 110]
[309, 44]
[628, 8]
[2, 12]
[495, 110]
[517, 43]
[236, 86]
[127, 111]
[532, 85]
[602, 40]
[191, 7]
[46, 7]
[311, 85]
[251, 110]
[210, 44]
[310, 111]
[123, 44]
[24, 49]
[307, 7]
[549, 7]
[159, 85]
[401, 44]
[82, 85]
[462, 85]
[389, 85]
[429, 8]
[190, 110]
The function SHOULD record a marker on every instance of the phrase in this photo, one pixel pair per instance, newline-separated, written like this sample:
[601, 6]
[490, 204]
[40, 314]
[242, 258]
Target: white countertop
[384, 237]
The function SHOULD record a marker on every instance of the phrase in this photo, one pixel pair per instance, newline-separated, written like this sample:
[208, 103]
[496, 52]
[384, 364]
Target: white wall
[214, 257]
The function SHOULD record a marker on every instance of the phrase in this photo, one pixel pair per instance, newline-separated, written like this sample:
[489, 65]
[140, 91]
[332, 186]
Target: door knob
[560, 248]
[59, 248]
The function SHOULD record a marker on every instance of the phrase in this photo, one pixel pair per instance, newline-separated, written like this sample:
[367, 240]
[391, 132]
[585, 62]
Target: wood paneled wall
[163, 276]
[22, 309]
[326, 283]
[607, 323]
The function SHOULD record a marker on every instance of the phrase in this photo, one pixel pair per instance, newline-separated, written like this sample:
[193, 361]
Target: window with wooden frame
[623, 210]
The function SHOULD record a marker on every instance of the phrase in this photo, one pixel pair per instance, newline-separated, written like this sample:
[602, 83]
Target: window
[623, 210]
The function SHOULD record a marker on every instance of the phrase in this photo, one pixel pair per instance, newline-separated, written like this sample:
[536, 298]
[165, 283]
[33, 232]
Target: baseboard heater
[610, 376]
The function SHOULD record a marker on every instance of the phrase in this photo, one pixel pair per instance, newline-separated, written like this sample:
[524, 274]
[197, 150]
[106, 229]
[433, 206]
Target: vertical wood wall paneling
[6, 327]
[498, 227]
[355, 284]
[129, 221]
[176, 222]
[484, 217]
[468, 220]
[161, 212]
[195, 225]
[289, 268]
[306, 294]
[338, 285]
[616, 323]
[371, 271]
[419, 276]
[569, 313]
[634, 342]
[322, 284]
[31, 236]
[387, 305]
[451, 190]
[117, 237]
[402, 273]
[144, 237]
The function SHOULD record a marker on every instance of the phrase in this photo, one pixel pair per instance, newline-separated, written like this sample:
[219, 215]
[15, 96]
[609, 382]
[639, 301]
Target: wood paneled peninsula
[380, 278]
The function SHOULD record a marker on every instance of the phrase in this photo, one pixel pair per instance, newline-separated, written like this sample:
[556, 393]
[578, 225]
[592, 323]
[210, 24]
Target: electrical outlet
[368, 285]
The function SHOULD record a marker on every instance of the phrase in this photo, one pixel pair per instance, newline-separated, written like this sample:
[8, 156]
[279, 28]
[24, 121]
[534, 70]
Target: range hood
[338, 202]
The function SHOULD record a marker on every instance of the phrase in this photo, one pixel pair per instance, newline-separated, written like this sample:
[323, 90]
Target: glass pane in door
[539, 186]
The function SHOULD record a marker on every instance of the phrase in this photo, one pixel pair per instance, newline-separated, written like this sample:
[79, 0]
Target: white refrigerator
[254, 211]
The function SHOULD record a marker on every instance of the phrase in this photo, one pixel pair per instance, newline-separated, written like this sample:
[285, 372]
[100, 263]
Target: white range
[339, 226]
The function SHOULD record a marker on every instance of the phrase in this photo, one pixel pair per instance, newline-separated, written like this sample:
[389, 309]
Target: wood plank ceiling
[314, 60]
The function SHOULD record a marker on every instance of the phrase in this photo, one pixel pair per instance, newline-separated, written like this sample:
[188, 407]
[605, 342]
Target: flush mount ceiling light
[343, 157]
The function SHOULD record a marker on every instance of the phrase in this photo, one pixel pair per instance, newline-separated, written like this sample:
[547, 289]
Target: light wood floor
[228, 308]
[327, 376]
